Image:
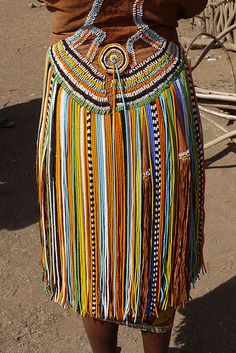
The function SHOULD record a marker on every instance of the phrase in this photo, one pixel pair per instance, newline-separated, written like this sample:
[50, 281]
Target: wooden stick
[215, 39]
[208, 91]
[219, 105]
[220, 139]
[216, 97]
[227, 134]
[219, 114]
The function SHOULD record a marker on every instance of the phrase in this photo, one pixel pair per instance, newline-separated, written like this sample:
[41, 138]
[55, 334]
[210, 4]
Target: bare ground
[29, 322]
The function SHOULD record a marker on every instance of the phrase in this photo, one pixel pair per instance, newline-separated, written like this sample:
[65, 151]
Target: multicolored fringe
[121, 195]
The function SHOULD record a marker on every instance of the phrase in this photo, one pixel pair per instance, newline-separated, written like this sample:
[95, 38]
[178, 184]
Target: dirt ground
[29, 322]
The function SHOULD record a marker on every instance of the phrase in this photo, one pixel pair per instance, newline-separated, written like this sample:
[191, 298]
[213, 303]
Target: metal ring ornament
[113, 55]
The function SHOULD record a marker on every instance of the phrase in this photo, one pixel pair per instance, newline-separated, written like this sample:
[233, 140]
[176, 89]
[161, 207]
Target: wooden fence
[217, 17]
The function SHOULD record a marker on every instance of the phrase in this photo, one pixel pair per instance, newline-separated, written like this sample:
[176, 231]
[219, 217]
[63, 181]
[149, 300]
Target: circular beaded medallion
[112, 55]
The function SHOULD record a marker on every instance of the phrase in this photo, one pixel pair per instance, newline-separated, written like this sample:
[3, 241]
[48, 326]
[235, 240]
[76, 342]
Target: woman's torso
[115, 17]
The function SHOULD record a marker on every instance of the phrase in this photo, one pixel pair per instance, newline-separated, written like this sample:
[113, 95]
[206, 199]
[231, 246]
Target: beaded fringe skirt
[121, 193]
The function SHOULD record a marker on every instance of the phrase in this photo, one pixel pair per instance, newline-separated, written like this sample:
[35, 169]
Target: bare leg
[102, 335]
[156, 342]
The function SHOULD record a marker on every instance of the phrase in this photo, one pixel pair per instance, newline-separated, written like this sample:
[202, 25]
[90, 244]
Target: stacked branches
[217, 17]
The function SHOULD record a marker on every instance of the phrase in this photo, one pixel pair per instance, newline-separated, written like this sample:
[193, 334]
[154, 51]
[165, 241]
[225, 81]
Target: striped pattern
[121, 194]
[141, 84]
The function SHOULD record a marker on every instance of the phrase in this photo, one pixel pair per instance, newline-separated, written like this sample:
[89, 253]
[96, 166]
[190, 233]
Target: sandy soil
[29, 322]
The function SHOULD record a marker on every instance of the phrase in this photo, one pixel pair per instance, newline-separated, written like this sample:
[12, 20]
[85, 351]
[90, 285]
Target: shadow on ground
[17, 166]
[229, 148]
[209, 325]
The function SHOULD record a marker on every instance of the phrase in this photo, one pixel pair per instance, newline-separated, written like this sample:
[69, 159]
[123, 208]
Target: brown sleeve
[190, 8]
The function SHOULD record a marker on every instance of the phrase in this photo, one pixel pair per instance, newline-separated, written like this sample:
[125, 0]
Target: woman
[120, 167]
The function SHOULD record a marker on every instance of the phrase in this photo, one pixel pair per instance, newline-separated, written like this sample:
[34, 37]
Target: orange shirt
[115, 17]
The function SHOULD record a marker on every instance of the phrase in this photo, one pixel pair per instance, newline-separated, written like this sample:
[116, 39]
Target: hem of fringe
[143, 326]
[162, 328]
